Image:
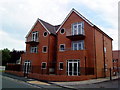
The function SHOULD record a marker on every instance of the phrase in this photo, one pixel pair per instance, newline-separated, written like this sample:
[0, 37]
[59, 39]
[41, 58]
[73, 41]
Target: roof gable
[73, 10]
[50, 28]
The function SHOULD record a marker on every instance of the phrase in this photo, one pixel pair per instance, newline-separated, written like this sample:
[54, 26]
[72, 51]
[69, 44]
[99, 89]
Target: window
[34, 49]
[78, 28]
[44, 50]
[45, 34]
[61, 66]
[62, 31]
[44, 64]
[105, 49]
[35, 36]
[62, 47]
[78, 45]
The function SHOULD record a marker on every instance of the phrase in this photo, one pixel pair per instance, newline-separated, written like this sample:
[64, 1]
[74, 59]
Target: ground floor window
[61, 66]
[73, 67]
[44, 64]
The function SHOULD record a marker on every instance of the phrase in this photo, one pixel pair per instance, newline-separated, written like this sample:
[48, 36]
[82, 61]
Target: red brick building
[116, 61]
[74, 50]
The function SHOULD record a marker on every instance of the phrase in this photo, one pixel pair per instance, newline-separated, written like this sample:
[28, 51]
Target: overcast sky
[18, 16]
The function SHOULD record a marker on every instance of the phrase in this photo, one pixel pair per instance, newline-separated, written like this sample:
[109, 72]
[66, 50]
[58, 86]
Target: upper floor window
[62, 47]
[44, 49]
[78, 45]
[78, 28]
[62, 31]
[35, 36]
[105, 49]
[45, 34]
[34, 49]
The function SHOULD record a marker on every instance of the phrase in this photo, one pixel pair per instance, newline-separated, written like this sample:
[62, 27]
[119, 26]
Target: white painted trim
[60, 49]
[67, 64]
[46, 49]
[61, 29]
[46, 35]
[44, 26]
[28, 63]
[34, 26]
[42, 63]
[59, 65]
[73, 10]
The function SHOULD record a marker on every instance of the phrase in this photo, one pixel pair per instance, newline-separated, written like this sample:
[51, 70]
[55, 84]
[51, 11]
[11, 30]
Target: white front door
[73, 68]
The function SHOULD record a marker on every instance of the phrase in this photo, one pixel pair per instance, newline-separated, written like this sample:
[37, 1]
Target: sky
[18, 16]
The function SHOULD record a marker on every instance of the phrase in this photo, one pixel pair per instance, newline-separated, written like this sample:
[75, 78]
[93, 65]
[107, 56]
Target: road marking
[38, 82]
[21, 82]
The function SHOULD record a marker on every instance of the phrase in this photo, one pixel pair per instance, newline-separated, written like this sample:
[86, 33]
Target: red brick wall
[60, 77]
[38, 58]
[103, 58]
[89, 44]
[15, 73]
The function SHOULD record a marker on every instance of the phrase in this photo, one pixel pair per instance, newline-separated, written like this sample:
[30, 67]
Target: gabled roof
[54, 29]
[50, 28]
[91, 24]
[73, 10]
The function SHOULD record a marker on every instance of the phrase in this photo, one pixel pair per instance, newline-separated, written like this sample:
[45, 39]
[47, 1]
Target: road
[11, 81]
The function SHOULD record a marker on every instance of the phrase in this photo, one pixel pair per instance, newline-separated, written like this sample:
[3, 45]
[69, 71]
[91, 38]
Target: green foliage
[5, 56]
[9, 56]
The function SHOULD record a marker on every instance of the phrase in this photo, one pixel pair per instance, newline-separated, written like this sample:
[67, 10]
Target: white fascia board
[34, 26]
[73, 10]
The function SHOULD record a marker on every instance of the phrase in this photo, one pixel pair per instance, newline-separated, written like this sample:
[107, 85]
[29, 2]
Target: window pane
[62, 47]
[61, 65]
[44, 49]
[43, 65]
[80, 46]
[74, 29]
[74, 46]
[79, 29]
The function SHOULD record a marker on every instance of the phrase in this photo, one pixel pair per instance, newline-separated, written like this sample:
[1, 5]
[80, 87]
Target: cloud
[18, 16]
[8, 41]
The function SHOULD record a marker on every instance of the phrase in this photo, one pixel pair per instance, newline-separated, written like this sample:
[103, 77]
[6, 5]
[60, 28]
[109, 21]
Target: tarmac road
[12, 82]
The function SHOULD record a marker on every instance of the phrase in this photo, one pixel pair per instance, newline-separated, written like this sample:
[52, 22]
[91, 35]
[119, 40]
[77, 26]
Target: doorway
[26, 70]
[73, 68]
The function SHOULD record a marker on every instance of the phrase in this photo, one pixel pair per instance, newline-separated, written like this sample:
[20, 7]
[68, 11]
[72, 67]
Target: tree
[15, 55]
[5, 56]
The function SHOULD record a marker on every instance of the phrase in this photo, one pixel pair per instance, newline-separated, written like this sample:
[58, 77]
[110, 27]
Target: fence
[51, 70]
[108, 72]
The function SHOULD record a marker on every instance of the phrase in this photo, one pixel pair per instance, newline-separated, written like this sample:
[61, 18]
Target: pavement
[93, 83]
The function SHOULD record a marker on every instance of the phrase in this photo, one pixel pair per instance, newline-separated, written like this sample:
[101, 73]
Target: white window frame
[28, 63]
[78, 42]
[42, 64]
[44, 35]
[77, 27]
[43, 49]
[61, 29]
[78, 66]
[34, 36]
[105, 49]
[60, 47]
[59, 65]
[32, 49]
